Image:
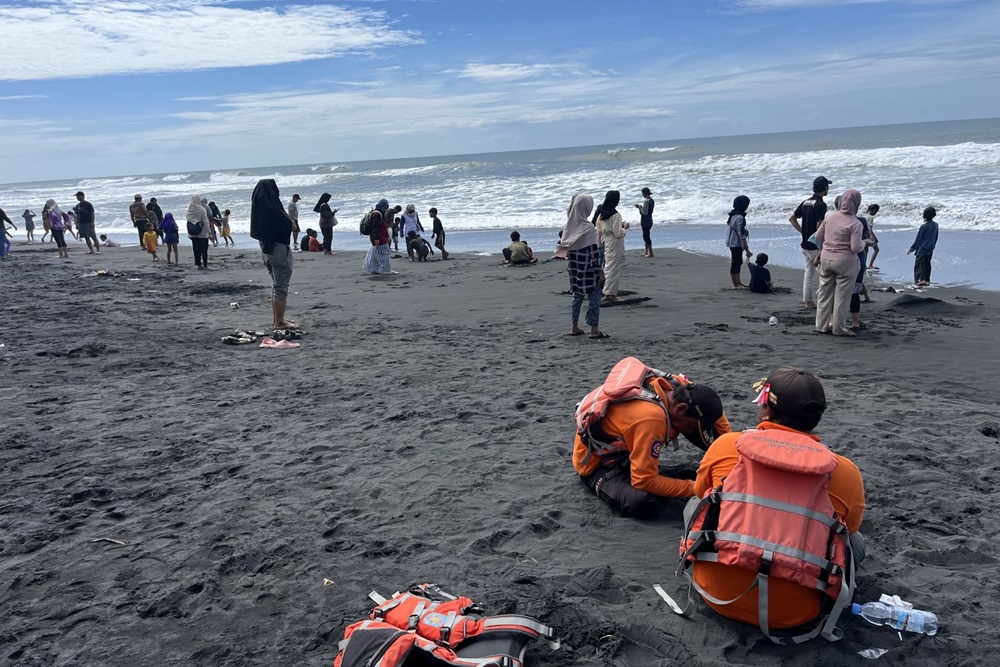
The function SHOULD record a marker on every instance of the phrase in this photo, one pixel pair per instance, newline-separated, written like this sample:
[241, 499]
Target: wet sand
[422, 433]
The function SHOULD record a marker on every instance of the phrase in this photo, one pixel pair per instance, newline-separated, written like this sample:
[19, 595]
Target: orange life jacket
[626, 382]
[772, 515]
[442, 628]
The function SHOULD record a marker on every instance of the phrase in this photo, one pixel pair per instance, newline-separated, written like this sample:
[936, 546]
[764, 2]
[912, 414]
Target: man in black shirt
[811, 212]
[85, 224]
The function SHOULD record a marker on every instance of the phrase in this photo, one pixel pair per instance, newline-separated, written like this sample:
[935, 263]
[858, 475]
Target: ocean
[954, 166]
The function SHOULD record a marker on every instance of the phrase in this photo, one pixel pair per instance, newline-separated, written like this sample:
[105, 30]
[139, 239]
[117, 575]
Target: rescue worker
[791, 402]
[627, 473]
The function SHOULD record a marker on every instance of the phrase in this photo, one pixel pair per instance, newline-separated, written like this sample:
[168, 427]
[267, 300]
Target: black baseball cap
[793, 392]
[704, 405]
[821, 183]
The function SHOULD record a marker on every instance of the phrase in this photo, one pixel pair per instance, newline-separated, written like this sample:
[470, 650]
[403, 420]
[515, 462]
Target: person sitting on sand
[312, 241]
[109, 243]
[792, 402]
[628, 472]
[760, 278]
[518, 253]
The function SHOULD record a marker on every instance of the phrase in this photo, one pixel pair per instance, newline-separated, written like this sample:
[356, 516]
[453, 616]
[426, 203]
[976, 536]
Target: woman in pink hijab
[840, 237]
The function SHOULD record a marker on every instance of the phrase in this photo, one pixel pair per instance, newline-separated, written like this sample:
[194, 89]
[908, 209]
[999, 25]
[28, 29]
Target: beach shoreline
[422, 433]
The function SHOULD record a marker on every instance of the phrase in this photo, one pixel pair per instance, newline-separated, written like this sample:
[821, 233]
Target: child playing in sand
[226, 234]
[149, 239]
[923, 246]
[438, 232]
[109, 243]
[760, 278]
[171, 236]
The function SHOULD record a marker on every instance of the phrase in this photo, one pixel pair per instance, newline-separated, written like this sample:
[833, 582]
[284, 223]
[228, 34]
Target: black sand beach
[422, 433]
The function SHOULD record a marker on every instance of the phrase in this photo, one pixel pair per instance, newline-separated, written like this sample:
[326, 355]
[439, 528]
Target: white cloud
[503, 71]
[126, 36]
[11, 98]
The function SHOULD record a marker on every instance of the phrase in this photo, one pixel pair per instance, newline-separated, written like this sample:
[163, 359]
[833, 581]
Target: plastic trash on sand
[773, 321]
[873, 653]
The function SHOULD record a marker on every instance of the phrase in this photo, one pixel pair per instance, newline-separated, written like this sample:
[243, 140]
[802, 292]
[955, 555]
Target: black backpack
[367, 226]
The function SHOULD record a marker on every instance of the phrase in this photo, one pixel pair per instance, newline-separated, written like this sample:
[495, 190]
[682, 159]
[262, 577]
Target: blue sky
[148, 86]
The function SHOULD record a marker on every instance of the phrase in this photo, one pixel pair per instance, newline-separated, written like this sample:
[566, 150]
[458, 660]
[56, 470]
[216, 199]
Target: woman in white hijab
[579, 239]
[198, 231]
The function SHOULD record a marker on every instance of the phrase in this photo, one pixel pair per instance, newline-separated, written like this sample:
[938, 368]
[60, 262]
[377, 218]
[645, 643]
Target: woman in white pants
[840, 236]
[612, 230]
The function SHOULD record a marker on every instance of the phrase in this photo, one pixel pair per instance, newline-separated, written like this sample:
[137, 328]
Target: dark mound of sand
[924, 306]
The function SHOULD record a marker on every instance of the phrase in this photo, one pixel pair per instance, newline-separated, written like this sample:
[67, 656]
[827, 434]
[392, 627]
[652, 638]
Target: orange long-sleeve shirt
[790, 604]
[643, 428]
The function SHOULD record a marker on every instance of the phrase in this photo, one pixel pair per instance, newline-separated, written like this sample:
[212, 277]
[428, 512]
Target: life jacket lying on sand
[436, 628]
[772, 515]
[626, 382]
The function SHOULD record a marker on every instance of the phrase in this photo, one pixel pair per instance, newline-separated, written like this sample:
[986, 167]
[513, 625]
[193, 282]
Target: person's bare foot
[810, 305]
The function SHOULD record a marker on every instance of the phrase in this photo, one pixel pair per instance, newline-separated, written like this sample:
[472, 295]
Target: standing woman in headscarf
[612, 231]
[840, 239]
[377, 259]
[579, 239]
[737, 239]
[327, 221]
[271, 226]
[57, 225]
[197, 226]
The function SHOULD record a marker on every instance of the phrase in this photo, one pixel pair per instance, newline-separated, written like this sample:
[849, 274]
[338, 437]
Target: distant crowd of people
[835, 246]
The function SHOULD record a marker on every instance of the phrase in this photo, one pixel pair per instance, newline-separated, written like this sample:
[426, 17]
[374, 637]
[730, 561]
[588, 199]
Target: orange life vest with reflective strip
[626, 382]
[772, 515]
[449, 629]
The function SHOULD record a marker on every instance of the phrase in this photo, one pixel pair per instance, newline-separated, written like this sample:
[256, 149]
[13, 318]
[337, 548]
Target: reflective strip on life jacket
[736, 526]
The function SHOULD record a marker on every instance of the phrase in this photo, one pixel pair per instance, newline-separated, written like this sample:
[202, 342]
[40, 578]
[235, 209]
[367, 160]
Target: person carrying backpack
[773, 540]
[626, 424]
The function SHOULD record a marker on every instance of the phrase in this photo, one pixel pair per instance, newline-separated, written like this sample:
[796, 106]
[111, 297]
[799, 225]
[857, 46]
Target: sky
[127, 87]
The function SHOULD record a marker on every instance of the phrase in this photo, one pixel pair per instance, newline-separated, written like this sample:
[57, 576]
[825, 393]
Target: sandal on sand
[245, 332]
[278, 344]
[238, 339]
[575, 333]
[287, 334]
[847, 334]
[600, 336]
[860, 327]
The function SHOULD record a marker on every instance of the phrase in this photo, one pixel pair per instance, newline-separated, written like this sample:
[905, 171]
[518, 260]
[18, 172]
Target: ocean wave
[615, 152]
[664, 149]
[105, 182]
[176, 178]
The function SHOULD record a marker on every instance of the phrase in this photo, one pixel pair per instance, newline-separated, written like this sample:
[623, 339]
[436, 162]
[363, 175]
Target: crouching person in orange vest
[623, 425]
[779, 513]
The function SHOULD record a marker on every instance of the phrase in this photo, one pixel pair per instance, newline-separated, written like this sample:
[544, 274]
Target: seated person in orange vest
[618, 446]
[518, 253]
[795, 497]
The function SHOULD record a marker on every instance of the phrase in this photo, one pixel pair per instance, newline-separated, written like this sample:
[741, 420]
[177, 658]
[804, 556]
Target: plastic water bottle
[897, 616]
